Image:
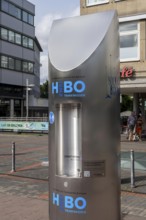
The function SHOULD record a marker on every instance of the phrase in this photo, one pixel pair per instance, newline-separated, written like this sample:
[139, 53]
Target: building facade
[19, 57]
[132, 30]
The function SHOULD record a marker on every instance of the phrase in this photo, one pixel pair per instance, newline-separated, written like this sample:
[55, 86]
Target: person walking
[131, 125]
[139, 126]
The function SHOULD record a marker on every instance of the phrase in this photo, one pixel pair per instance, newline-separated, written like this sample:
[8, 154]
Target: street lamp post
[28, 88]
[26, 98]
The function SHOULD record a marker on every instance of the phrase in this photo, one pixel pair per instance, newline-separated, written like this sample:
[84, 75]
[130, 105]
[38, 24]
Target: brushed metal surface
[76, 56]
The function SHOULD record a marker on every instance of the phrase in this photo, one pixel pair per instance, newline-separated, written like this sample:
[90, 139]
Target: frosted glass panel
[68, 140]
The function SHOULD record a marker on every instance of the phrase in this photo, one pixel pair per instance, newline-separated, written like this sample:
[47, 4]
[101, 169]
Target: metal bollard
[13, 157]
[132, 169]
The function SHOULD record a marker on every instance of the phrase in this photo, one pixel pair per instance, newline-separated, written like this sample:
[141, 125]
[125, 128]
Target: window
[25, 66]
[18, 39]
[25, 16]
[17, 101]
[4, 34]
[30, 19]
[18, 13]
[30, 67]
[5, 6]
[18, 65]
[11, 63]
[129, 41]
[30, 43]
[25, 41]
[95, 2]
[11, 36]
[12, 9]
[4, 61]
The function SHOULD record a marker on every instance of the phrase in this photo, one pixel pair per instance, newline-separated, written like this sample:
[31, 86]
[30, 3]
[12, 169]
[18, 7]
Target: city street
[24, 193]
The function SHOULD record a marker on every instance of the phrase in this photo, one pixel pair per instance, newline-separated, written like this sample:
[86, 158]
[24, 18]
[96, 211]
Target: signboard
[25, 126]
[127, 72]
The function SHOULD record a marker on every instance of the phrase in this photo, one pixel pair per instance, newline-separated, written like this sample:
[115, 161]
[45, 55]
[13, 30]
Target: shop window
[95, 2]
[11, 36]
[4, 34]
[129, 41]
[17, 101]
[4, 62]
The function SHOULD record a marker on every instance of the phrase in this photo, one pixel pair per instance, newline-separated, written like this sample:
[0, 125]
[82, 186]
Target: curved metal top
[73, 40]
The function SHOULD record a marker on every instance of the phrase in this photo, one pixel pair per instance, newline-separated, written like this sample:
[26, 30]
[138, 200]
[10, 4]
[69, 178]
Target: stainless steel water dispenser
[84, 131]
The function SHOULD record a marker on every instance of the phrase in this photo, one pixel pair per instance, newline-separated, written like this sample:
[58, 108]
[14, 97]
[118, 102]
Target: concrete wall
[124, 7]
[127, 8]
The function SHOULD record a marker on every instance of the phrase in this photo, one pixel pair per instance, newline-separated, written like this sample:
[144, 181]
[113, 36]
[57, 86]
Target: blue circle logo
[51, 118]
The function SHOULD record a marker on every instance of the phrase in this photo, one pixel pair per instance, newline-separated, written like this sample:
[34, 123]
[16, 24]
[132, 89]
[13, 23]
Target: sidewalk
[140, 165]
[134, 218]
[14, 207]
[24, 208]
[24, 194]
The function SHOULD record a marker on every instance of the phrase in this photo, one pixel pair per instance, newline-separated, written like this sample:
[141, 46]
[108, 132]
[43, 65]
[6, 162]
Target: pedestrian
[131, 125]
[139, 124]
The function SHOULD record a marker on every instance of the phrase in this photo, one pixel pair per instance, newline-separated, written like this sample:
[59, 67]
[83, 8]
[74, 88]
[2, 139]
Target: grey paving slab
[131, 217]
[25, 192]
[23, 208]
[16, 207]
[133, 204]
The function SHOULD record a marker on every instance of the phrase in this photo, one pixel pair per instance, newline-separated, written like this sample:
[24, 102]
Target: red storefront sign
[127, 72]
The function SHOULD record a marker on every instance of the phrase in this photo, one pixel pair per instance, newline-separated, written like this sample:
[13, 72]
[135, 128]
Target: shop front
[133, 83]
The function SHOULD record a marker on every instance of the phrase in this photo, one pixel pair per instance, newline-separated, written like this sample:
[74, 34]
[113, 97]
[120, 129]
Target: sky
[45, 12]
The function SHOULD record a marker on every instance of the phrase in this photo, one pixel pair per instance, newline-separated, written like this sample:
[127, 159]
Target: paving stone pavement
[20, 207]
[14, 207]
[133, 204]
[24, 194]
[140, 174]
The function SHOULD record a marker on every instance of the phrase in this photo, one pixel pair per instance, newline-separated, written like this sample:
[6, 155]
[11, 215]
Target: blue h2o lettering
[70, 202]
[69, 87]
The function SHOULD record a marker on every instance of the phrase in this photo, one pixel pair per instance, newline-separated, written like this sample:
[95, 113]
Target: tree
[44, 90]
[127, 103]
